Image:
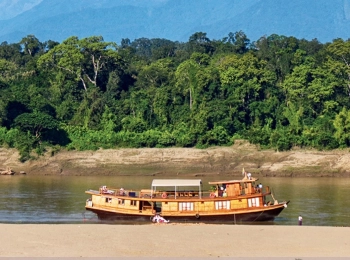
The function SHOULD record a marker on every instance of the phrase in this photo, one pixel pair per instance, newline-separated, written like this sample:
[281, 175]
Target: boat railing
[164, 194]
[146, 193]
[171, 194]
[180, 193]
[117, 192]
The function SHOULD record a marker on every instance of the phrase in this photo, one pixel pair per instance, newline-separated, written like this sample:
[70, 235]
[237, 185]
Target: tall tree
[340, 61]
[199, 42]
[31, 45]
[85, 59]
[186, 79]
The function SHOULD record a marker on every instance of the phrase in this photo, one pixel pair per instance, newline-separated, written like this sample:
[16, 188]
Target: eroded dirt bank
[185, 161]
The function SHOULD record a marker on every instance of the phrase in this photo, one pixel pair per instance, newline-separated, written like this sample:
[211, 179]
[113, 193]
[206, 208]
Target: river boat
[184, 200]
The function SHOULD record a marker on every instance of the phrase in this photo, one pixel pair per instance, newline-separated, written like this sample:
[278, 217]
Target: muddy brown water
[61, 199]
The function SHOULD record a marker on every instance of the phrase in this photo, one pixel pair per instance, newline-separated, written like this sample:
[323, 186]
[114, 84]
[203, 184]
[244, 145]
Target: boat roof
[233, 181]
[175, 182]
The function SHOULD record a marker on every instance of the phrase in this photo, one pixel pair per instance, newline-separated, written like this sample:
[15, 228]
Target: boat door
[145, 206]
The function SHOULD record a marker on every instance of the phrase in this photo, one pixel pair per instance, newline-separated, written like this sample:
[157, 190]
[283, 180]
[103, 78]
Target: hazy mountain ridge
[11, 8]
[308, 19]
[178, 19]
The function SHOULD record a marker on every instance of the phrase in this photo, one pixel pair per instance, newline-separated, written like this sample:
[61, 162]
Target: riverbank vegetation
[84, 94]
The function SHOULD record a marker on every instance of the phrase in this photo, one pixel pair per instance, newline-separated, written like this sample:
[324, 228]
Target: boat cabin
[177, 188]
[233, 188]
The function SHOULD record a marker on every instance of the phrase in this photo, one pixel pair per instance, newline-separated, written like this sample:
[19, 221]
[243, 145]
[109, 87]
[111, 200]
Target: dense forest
[278, 92]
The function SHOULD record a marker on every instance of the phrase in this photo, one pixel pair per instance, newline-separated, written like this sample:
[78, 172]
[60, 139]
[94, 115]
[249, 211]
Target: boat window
[133, 202]
[253, 202]
[186, 206]
[121, 201]
[222, 205]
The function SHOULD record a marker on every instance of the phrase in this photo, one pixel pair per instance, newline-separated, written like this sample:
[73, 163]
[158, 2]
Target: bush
[281, 140]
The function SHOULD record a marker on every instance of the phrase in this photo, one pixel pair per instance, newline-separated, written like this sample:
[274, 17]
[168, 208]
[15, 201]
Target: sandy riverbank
[172, 240]
[184, 162]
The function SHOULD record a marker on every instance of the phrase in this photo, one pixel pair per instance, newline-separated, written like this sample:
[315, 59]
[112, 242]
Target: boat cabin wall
[113, 202]
[208, 206]
[238, 189]
[234, 189]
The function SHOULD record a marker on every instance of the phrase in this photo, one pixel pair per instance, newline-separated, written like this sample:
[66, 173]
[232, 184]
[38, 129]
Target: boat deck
[163, 195]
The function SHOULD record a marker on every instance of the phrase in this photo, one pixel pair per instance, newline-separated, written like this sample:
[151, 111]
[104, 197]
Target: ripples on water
[61, 199]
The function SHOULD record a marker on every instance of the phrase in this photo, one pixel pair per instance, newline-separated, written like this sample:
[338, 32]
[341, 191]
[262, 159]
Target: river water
[61, 199]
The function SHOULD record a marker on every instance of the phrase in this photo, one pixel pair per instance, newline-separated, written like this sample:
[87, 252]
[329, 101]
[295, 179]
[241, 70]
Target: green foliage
[216, 137]
[259, 136]
[9, 137]
[83, 138]
[281, 140]
[35, 123]
[87, 94]
[342, 127]
[24, 142]
[134, 124]
[183, 136]
[7, 70]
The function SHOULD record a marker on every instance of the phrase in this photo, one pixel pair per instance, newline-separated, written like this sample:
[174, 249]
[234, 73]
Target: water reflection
[61, 199]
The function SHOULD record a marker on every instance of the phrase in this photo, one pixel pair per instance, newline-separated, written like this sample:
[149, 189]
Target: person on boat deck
[225, 193]
[221, 191]
[122, 192]
[249, 175]
[105, 190]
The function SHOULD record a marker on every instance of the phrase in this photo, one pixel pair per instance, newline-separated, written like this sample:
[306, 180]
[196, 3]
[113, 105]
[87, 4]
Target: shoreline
[172, 240]
[224, 161]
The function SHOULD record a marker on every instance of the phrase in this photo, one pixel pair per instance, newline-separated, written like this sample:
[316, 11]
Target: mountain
[175, 20]
[11, 8]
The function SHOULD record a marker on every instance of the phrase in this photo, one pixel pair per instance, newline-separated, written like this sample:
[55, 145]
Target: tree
[237, 42]
[199, 42]
[31, 45]
[241, 42]
[340, 61]
[35, 122]
[342, 127]
[7, 70]
[157, 74]
[186, 79]
[11, 52]
[247, 73]
[294, 115]
[278, 51]
[84, 59]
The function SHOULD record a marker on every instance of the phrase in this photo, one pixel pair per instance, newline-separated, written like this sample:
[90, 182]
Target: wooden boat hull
[258, 215]
[234, 201]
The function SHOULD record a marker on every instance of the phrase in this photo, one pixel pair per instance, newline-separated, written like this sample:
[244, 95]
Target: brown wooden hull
[232, 201]
[264, 214]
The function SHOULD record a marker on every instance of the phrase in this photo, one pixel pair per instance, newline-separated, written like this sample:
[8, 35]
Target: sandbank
[172, 240]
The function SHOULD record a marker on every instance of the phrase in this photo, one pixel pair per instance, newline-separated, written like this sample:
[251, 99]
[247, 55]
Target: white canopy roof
[175, 182]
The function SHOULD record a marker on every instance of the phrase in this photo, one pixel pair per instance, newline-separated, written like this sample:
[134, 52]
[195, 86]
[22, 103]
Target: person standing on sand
[300, 220]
